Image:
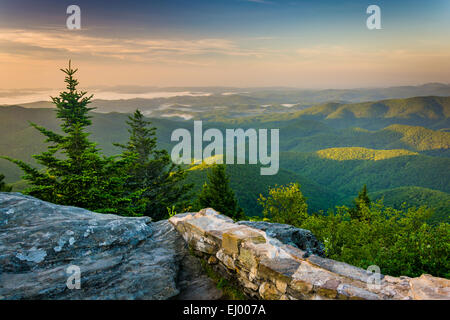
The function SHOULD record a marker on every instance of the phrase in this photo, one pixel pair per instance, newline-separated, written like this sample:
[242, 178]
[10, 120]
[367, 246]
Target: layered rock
[267, 268]
[287, 234]
[118, 257]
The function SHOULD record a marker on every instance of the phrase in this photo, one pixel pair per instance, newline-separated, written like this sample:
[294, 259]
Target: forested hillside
[348, 175]
[399, 148]
[248, 184]
[417, 196]
[431, 112]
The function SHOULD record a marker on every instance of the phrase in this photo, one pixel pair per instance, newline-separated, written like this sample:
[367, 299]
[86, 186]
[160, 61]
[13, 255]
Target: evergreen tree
[217, 194]
[360, 202]
[152, 173]
[75, 173]
[3, 186]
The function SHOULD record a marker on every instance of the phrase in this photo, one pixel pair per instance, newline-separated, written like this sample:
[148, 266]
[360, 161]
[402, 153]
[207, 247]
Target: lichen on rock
[118, 257]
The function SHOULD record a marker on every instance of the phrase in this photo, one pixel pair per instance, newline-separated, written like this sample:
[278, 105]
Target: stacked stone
[266, 268]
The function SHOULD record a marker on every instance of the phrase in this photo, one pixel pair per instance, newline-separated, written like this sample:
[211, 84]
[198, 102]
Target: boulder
[42, 245]
[427, 287]
[287, 234]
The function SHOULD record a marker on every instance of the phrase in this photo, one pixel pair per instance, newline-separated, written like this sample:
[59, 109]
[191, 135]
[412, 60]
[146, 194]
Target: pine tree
[3, 186]
[152, 174]
[75, 172]
[217, 194]
[359, 202]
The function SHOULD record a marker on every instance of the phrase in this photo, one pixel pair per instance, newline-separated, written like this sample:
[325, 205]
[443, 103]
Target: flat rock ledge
[43, 244]
[287, 234]
[266, 268]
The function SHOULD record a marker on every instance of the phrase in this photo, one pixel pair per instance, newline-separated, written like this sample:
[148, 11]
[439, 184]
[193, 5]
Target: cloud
[353, 54]
[30, 56]
[63, 43]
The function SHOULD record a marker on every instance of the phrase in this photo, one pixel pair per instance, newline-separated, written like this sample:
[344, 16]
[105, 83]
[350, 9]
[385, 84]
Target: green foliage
[171, 211]
[400, 242]
[344, 177]
[358, 153]
[285, 204]
[406, 197]
[217, 194]
[151, 173]
[399, 137]
[20, 141]
[3, 186]
[258, 218]
[420, 139]
[360, 202]
[248, 184]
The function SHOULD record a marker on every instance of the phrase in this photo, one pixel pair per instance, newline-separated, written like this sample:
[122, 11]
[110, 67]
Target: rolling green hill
[358, 153]
[412, 138]
[429, 108]
[421, 139]
[432, 112]
[347, 177]
[415, 180]
[421, 107]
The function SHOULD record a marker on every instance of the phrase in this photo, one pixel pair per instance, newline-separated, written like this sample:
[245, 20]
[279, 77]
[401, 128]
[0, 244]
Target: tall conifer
[217, 194]
[359, 202]
[152, 174]
[74, 171]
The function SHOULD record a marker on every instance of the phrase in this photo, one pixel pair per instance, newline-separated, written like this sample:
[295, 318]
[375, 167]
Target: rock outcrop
[42, 245]
[118, 257]
[266, 268]
[287, 234]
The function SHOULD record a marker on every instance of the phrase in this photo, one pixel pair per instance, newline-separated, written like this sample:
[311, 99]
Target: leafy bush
[285, 204]
[400, 242]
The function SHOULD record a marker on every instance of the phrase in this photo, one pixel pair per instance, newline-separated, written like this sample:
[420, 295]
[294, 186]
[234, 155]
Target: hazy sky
[308, 44]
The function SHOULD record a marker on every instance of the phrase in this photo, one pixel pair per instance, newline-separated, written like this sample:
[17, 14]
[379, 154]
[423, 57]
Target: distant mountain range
[429, 111]
[218, 103]
[398, 147]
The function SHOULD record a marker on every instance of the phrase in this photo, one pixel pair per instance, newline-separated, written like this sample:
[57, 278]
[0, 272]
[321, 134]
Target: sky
[237, 43]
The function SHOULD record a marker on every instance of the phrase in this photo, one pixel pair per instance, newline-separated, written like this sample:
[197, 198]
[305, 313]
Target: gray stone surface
[287, 234]
[342, 268]
[119, 257]
[194, 284]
